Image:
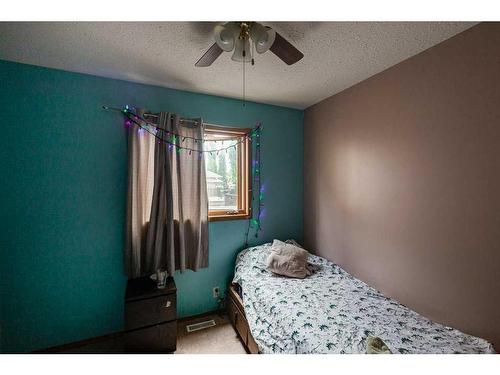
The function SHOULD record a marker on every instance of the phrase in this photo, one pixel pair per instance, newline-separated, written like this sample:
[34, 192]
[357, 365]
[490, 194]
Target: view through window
[226, 172]
[222, 174]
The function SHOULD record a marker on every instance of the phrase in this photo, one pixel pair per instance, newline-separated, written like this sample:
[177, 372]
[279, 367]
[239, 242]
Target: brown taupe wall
[402, 181]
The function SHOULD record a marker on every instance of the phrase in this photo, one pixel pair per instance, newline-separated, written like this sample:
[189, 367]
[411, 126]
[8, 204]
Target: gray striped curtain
[167, 209]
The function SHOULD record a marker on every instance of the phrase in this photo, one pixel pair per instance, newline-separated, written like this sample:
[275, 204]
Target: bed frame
[239, 321]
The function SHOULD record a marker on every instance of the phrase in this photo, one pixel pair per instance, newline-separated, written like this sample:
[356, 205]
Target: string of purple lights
[144, 125]
[173, 142]
[255, 222]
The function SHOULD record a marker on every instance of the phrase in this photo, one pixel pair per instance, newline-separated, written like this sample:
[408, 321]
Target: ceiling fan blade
[210, 56]
[285, 50]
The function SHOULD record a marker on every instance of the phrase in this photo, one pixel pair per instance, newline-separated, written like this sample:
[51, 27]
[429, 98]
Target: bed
[329, 312]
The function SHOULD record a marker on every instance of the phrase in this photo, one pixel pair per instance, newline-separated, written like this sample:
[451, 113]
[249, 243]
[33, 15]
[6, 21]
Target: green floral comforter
[333, 312]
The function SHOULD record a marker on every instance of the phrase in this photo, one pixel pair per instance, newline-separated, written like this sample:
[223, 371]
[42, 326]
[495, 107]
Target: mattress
[333, 312]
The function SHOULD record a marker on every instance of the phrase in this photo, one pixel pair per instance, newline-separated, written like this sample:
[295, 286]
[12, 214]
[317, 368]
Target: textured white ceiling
[337, 54]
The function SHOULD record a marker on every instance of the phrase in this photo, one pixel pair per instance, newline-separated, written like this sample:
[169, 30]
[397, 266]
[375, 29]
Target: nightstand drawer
[147, 312]
[160, 338]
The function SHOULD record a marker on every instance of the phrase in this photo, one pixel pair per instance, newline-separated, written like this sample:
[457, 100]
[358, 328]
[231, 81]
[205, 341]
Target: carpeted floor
[220, 339]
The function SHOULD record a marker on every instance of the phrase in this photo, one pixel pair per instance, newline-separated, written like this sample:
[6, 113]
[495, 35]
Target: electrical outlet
[215, 292]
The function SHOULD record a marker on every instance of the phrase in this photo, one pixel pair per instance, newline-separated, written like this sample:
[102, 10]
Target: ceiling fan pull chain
[244, 58]
[252, 51]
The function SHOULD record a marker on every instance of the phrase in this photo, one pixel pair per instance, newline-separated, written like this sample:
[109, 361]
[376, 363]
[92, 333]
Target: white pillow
[288, 260]
[293, 242]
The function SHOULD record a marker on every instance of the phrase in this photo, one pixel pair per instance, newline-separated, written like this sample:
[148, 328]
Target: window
[228, 173]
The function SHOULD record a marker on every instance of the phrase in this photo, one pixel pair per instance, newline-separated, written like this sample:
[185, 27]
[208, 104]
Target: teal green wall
[63, 185]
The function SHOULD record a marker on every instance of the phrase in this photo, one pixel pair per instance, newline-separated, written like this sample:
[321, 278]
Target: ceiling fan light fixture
[239, 36]
[225, 36]
[242, 45]
[262, 36]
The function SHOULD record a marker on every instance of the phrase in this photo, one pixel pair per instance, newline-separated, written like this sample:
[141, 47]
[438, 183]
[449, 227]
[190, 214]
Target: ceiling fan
[241, 37]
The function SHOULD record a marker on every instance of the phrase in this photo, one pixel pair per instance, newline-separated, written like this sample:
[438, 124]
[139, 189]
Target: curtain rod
[105, 107]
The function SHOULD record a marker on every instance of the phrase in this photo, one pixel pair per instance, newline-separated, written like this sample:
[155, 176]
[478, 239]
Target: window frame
[244, 175]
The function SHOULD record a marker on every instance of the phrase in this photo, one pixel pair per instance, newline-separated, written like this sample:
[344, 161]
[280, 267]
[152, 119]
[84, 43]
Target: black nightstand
[150, 316]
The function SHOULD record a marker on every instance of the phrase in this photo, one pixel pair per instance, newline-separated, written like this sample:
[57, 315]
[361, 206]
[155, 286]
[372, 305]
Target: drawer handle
[167, 304]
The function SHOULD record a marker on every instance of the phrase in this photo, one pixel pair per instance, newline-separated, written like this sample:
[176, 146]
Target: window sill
[224, 217]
